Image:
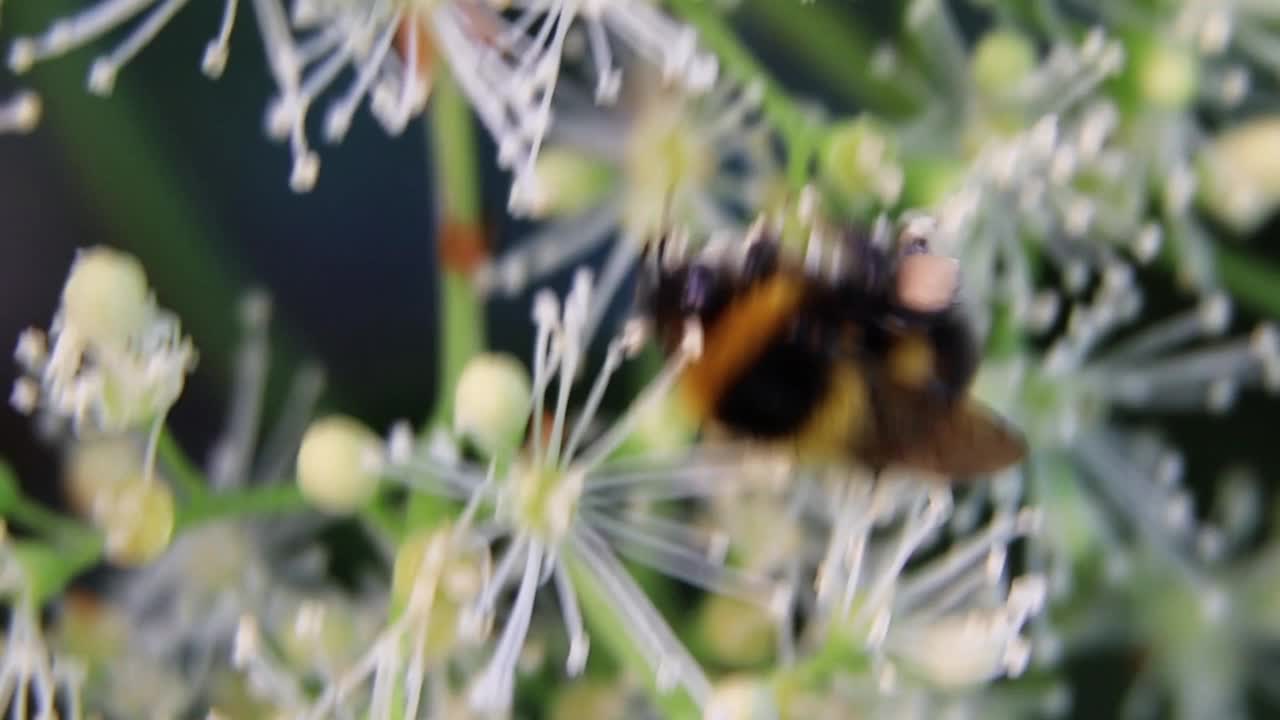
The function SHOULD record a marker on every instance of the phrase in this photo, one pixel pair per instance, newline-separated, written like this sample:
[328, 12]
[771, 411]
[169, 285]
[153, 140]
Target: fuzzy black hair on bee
[859, 351]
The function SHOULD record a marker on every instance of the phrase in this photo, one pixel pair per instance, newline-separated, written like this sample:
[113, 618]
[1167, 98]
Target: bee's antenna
[665, 228]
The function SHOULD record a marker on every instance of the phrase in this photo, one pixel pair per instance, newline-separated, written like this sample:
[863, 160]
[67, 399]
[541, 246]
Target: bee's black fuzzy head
[670, 293]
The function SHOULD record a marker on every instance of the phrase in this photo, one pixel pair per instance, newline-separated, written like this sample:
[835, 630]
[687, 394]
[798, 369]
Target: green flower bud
[427, 562]
[860, 160]
[735, 633]
[137, 520]
[99, 465]
[929, 180]
[568, 183]
[1159, 74]
[338, 464]
[1002, 61]
[588, 699]
[491, 403]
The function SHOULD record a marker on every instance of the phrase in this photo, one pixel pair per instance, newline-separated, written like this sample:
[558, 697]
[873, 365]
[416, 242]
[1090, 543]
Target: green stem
[453, 142]
[462, 327]
[458, 188]
[49, 568]
[184, 473]
[262, 500]
[462, 333]
[1253, 282]
[382, 517]
[798, 132]
[43, 521]
[815, 672]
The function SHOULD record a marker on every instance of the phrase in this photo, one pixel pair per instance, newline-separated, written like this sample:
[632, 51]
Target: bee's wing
[968, 440]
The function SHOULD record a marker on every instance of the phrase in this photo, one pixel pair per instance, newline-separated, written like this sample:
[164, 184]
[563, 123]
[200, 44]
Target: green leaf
[10, 494]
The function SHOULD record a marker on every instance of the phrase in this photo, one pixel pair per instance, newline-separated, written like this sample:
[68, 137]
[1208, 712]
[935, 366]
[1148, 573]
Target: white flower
[663, 158]
[33, 677]
[1116, 509]
[954, 620]
[180, 612]
[117, 361]
[399, 671]
[566, 507]
[1041, 162]
[1240, 178]
[508, 65]
[1140, 142]
[101, 17]
[337, 464]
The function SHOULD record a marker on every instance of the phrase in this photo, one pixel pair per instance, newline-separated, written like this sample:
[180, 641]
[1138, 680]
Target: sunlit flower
[565, 507]
[507, 64]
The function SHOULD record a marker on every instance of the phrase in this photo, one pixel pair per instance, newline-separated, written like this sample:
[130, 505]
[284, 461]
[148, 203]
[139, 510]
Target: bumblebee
[868, 357]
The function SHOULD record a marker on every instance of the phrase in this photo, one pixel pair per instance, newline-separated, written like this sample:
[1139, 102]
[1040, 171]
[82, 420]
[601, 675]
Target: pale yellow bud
[106, 299]
[1240, 173]
[741, 698]
[1002, 61]
[137, 520]
[338, 464]
[434, 582]
[735, 633]
[97, 466]
[491, 403]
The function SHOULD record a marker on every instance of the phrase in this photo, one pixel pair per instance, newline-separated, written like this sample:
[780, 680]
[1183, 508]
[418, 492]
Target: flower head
[508, 65]
[117, 361]
[396, 672]
[952, 621]
[103, 16]
[663, 158]
[35, 680]
[177, 615]
[565, 505]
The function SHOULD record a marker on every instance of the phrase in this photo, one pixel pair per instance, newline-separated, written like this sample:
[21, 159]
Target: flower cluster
[559, 531]
[34, 678]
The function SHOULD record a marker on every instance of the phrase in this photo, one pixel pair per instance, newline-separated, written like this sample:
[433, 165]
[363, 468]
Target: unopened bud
[337, 464]
[491, 403]
[105, 298]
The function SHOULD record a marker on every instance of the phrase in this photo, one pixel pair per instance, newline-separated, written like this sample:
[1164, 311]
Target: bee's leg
[759, 262]
[867, 266]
